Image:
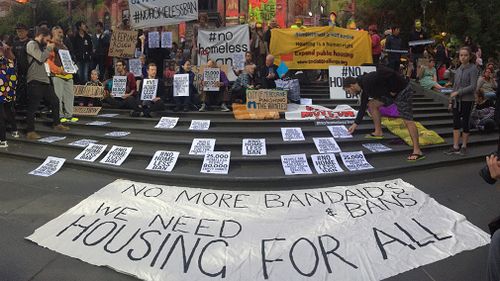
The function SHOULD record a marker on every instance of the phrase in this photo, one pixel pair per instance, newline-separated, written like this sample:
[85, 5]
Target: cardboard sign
[339, 132]
[116, 155]
[149, 89]
[51, 139]
[336, 80]
[295, 164]
[98, 123]
[166, 39]
[135, 66]
[119, 86]
[122, 44]
[337, 233]
[211, 78]
[163, 161]
[202, 146]
[82, 142]
[265, 99]
[222, 43]
[86, 110]
[167, 123]
[326, 145]
[216, 162]
[199, 125]
[292, 134]
[66, 61]
[156, 13]
[153, 39]
[117, 134]
[91, 152]
[254, 147]
[355, 161]
[88, 91]
[181, 85]
[50, 166]
[376, 147]
[326, 163]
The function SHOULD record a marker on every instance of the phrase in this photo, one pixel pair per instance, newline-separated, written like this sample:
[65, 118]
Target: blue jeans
[83, 72]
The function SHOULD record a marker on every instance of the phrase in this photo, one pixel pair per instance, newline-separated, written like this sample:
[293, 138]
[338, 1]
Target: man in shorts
[382, 88]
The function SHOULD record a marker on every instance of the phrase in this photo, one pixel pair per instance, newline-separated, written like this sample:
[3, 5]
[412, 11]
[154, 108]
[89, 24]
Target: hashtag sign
[345, 70]
[212, 37]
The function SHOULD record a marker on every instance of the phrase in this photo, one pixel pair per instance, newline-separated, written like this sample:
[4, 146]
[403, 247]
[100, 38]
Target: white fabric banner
[326, 163]
[202, 146]
[221, 44]
[116, 155]
[167, 123]
[367, 232]
[326, 145]
[91, 152]
[336, 80]
[292, 134]
[181, 85]
[163, 161]
[318, 112]
[216, 162]
[254, 147]
[295, 164]
[355, 161]
[149, 88]
[199, 125]
[156, 13]
[50, 166]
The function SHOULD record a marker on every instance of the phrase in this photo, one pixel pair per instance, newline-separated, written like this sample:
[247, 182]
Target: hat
[21, 26]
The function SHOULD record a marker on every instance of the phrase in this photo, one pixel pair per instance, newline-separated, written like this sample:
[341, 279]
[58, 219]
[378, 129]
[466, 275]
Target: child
[8, 81]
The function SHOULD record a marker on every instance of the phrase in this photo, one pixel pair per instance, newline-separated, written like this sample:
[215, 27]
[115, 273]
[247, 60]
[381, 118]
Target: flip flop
[373, 137]
[419, 157]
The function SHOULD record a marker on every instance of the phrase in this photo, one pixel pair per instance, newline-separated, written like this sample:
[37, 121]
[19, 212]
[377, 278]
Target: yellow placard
[320, 47]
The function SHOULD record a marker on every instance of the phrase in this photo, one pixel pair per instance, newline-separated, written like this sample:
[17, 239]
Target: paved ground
[27, 202]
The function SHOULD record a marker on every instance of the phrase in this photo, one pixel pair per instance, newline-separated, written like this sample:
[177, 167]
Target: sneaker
[61, 128]
[15, 134]
[224, 108]
[3, 144]
[33, 136]
[64, 120]
[74, 119]
[203, 108]
[463, 151]
[452, 151]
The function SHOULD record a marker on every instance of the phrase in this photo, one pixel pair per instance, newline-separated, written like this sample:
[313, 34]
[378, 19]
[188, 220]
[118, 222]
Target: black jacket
[160, 91]
[101, 44]
[262, 74]
[82, 48]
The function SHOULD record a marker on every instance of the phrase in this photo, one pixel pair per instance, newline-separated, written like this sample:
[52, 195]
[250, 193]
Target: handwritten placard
[265, 99]
[86, 110]
[122, 44]
[88, 91]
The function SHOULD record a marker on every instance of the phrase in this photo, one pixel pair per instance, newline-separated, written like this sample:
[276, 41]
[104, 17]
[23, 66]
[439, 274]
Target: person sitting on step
[215, 97]
[129, 99]
[185, 101]
[156, 104]
[246, 80]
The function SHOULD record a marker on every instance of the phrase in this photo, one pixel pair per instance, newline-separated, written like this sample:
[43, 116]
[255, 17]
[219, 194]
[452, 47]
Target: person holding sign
[246, 80]
[214, 97]
[127, 99]
[382, 88]
[184, 101]
[158, 102]
[61, 79]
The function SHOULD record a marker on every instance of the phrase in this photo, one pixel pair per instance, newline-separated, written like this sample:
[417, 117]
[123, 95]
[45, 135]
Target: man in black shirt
[384, 87]
[417, 51]
[19, 49]
[393, 45]
[82, 52]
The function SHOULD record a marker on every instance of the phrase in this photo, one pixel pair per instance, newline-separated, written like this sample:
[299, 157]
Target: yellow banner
[320, 47]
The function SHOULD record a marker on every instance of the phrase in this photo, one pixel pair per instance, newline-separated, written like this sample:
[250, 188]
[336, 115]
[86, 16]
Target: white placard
[167, 123]
[118, 134]
[211, 77]
[223, 43]
[98, 123]
[202, 146]
[154, 39]
[91, 152]
[376, 147]
[326, 145]
[51, 139]
[254, 147]
[82, 142]
[181, 85]
[336, 80]
[295, 164]
[50, 166]
[239, 61]
[368, 232]
[108, 115]
[144, 14]
[166, 39]
[216, 162]
[339, 132]
[135, 66]
[304, 101]
[116, 155]
[355, 161]
[199, 125]
[163, 161]
[326, 163]
[149, 88]
[292, 134]
[119, 86]
[66, 61]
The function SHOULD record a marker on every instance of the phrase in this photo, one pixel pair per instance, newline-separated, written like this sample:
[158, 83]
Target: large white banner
[156, 13]
[369, 231]
[336, 80]
[222, 44]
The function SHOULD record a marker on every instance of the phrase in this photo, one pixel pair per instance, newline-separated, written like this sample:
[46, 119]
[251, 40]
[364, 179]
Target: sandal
[374, 137]
[415, 157]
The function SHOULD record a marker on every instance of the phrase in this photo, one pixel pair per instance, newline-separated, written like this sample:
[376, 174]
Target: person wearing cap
[19, 49]
[382, 88]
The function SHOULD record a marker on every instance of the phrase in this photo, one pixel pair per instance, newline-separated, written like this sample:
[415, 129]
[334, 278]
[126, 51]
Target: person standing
[8, 81]
[184, 101]
[417, 52]
[82, 48]
[100, 43]
[376, 46]
[461, 101]
[393, 45]
[19, 49]
[39, 87]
